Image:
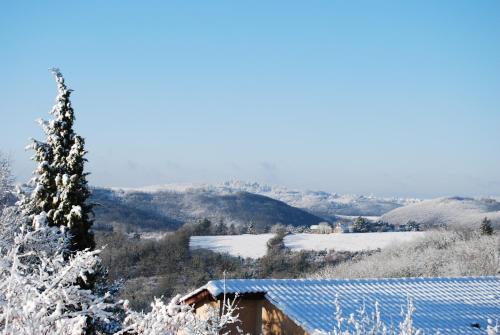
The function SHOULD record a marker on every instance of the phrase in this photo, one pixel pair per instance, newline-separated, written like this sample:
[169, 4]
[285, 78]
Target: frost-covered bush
[10, 223]
[39, 293]
[492, 329]
[441, 253]
[364, 323]
[6, 182]
[177, 317]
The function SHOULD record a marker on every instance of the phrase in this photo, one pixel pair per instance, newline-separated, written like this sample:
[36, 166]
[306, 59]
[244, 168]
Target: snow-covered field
[348, 242]
[255, 246]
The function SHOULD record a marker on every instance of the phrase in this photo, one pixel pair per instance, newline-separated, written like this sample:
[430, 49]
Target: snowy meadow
[255, 246]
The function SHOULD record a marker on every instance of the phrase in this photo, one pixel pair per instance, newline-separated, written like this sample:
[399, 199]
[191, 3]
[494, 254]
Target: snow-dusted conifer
[73, 210]
[361, 225]
[71, 207]
[486, 228]
[60, 187]
[41, 197]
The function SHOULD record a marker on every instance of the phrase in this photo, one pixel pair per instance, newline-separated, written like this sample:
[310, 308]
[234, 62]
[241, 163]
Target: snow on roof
[450, 305]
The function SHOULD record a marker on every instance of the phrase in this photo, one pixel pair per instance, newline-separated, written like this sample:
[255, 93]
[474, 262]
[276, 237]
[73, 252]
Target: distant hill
[112, 210]
[323, 204]
[166, 209]
[451, 211]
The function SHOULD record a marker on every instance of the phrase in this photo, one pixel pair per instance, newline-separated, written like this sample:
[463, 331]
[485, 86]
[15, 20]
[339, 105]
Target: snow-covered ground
[348, 242]
[255, 246]
[452, 211]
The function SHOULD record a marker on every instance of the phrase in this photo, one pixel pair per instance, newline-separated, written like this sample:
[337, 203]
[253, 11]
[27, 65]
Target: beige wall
[275, 322]
[257, 316]
[202, 307]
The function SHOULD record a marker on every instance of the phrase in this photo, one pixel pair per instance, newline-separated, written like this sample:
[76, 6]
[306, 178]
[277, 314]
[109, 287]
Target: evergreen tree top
[59, 185]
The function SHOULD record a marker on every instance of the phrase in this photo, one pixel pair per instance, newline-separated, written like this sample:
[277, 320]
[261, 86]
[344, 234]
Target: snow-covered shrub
[39, 293]
[10, 223]
[492, 329]
[442, 253]
[364, 323]
[6, 182]
[177, 317]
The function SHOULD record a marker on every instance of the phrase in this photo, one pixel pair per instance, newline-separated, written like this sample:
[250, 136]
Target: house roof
[450, 305]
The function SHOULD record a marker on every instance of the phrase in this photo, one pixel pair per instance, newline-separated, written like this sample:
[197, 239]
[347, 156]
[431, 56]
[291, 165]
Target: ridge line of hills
[166, 207]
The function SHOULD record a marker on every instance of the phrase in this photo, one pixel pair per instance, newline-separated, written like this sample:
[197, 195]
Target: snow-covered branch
[364, 323]
[177, 317]
[39, 290]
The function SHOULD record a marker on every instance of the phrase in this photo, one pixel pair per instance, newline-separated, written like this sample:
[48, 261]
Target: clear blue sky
[370, 97]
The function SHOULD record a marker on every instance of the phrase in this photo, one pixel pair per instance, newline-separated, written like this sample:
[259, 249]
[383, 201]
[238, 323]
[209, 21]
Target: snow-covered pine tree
[41, 197]
[361, 225]
[220, 228]
[60, 183]
[71, 207]
[486, 228]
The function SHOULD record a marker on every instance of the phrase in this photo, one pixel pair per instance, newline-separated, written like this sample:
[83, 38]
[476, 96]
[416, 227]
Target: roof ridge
[215, 287]
[214, 281]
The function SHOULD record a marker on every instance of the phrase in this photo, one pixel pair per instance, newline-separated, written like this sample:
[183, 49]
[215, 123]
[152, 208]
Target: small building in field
[321, 228]
[341, 228]
[306, 306]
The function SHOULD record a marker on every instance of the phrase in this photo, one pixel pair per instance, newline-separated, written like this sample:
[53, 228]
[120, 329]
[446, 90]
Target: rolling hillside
[323, 204]
[166, 207]
[452, 211]
[149, 210]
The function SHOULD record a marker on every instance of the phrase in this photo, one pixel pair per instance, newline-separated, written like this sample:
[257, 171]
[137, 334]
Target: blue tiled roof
[451, 305]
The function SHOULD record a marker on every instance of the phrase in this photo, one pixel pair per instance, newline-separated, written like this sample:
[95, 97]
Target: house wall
[257, 316]
[202, 307]
[275, 322]
[249, 311]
